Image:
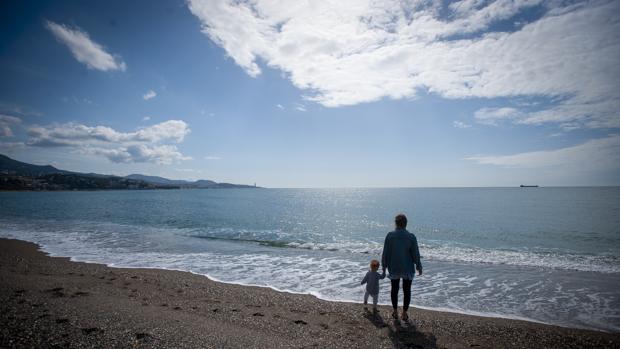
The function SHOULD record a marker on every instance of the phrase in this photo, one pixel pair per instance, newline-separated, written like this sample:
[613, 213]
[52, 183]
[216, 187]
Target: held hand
[419, 272]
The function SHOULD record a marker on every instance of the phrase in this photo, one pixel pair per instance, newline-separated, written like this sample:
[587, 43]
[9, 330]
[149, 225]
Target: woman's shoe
[405, 317]
[395, 314]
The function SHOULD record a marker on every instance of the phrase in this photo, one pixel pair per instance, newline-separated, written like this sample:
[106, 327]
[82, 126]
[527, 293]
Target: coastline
[42, 248]
[385, 301]
[52, 301]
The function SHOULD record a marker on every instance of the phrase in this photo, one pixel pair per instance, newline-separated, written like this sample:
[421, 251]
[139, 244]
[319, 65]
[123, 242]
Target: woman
[401, 257]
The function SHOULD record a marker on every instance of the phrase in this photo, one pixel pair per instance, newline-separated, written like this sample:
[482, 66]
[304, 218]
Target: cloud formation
[491, 116]
[84, 49]
[460, 124]
[10, 147]
[6, 122]
[350, 51]
[149, 94]
[149, 144]
[596, 154]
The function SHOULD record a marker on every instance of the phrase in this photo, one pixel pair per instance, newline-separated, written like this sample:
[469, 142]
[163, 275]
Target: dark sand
[53, 302]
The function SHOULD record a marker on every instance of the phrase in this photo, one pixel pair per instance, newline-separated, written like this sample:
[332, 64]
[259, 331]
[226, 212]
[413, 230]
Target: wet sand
[50, 302]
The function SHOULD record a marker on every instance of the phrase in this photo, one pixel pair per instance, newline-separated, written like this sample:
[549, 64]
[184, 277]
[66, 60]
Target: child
[372, 283]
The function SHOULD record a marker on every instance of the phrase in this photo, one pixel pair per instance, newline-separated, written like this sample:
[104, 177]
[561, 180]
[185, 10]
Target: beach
[54, 302]
[225, 174]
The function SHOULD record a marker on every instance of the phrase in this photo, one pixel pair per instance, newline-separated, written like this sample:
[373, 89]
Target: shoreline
[360, 302]
[42, 248]
[47, 301]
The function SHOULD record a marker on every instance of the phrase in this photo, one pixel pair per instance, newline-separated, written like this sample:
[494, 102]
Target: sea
[550, 255]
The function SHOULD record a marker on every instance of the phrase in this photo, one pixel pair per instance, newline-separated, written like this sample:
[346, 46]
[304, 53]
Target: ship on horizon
[529, 186]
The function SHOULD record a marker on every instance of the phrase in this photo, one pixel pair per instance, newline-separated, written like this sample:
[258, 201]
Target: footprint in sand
[300, 322]
[91, 330]
[143, 337]
[56, 292]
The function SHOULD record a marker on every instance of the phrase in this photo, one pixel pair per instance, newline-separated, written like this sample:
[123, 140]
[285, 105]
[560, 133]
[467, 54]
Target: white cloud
[171, 129]
[149, 144]
[212, 157]
[596, 154]
[300, 107]
[9, 147]
[280, 106]
[575, 113]
[6, 122]
[161, 154]
[72, 133]
[146, 118]
[350, 52]
[84, 49]
[491, 116]
[149, 94]
[460, 124]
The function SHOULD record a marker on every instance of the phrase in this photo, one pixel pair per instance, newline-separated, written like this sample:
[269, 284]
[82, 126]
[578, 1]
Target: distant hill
[17, 175]
[156, 179]
[10, 166]
[230, 185]
[204, 183]
[199, 184]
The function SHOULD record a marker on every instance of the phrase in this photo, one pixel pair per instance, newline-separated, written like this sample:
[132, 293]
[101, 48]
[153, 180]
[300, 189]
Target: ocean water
[544, 254]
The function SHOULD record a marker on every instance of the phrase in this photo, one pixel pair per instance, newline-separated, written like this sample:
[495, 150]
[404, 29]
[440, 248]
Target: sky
[346, 93]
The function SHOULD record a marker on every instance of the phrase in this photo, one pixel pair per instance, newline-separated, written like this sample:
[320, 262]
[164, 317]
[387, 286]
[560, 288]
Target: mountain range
[17, 175]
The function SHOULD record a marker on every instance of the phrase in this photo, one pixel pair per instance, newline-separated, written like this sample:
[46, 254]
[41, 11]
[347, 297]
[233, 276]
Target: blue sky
[310, 94]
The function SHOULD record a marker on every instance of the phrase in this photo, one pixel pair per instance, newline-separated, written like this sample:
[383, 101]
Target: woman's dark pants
[406, 293]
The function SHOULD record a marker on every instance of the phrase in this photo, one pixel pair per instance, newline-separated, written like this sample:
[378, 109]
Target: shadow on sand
[402, 334]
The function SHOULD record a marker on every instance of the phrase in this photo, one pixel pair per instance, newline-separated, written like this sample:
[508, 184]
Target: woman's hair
[401, 221]
[373, 263]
